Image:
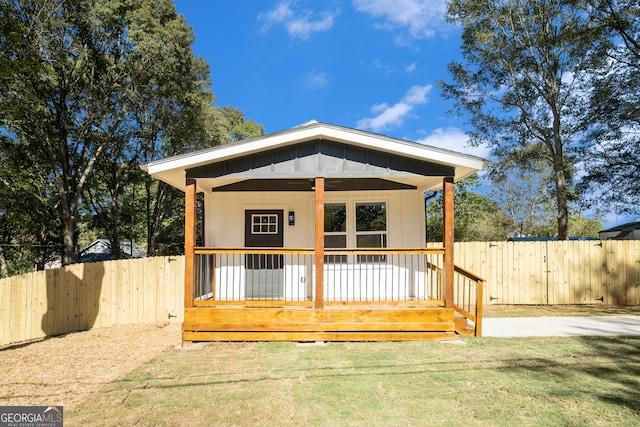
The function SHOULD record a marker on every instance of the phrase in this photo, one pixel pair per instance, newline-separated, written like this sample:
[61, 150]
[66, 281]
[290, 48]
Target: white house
[315, 216]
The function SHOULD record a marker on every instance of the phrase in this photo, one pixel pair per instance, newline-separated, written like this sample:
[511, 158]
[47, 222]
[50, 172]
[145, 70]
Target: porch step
[304, 324]
[463, 326]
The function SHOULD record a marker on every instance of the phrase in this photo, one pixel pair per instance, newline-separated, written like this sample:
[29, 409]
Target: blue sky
[367, 64]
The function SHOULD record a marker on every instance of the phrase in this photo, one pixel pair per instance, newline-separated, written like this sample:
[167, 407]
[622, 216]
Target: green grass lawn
[474, 382]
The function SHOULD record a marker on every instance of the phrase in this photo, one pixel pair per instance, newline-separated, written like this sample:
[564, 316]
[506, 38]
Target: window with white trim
[371, 229]
[264, 224]
[367, 229]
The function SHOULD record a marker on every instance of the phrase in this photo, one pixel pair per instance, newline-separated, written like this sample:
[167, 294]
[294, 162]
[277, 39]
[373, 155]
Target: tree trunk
[116, 250]
[563, 210]
[560, 177]
[4, 271]
[69, 240]
[151, 244]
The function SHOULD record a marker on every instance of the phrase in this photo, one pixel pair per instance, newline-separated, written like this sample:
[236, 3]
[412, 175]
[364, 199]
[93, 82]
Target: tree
[238, 127]
[524, 83]
[28, 227]
[79, 77]
[476, 216]
[165, 204]
[522, 197]
[613, 175]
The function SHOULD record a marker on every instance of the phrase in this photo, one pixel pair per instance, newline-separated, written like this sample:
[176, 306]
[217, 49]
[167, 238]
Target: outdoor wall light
[292, 218]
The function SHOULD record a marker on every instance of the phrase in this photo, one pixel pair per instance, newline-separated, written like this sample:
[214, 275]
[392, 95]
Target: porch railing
[282, 276]
[286, 277]
[467, 298]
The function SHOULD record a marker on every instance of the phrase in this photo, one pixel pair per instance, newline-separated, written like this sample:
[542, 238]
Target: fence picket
[84, 296]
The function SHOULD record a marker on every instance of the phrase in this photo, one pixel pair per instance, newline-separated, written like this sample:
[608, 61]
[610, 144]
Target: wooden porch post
[448, 239]
[189, 241]
[319, 243]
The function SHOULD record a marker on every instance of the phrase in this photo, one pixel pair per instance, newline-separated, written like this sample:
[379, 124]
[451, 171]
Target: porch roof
[317, 150]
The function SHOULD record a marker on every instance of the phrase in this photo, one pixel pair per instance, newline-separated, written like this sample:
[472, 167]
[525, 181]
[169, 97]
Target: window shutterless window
[371, 229]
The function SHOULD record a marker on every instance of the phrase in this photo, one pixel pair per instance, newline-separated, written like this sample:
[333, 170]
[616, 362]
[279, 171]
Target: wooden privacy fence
[567, 272]
[84, 296]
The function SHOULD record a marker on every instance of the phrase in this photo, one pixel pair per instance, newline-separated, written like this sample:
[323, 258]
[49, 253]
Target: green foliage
[28, 226]
[613, 175]
[523, 198]
[237, 127]
[91, 89]
[517, 206]
[523, 84]
[476, 216]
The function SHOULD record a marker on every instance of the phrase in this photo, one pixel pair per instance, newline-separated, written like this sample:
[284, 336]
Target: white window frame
[268, 224]
[351, 232]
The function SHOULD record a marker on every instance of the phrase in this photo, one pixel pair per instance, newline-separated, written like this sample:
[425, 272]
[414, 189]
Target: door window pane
[264, 224]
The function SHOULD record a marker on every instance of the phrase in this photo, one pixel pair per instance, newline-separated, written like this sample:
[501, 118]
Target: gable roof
[101, 250]
[277, 152]
[623, 227]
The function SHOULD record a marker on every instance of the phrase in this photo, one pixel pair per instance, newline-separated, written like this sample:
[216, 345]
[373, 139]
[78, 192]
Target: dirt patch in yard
[64, 370]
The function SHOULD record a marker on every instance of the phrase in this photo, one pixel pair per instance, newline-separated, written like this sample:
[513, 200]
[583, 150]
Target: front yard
[135, 375]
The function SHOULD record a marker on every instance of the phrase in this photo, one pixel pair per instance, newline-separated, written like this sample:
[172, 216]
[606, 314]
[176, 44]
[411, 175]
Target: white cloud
[299, 24]
[316, 80]
[389, 116]
[422, 18]
[411, 67]
[417, 95]
[452, 138]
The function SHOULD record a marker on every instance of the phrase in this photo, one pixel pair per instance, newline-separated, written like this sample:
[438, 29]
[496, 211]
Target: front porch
[262, 294]
[318, 233]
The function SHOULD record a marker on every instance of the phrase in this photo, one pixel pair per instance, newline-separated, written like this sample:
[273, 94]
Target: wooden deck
[310, 324]
[391, 295]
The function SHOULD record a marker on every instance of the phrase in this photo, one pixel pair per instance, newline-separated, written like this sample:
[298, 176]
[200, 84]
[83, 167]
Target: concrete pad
[561, 326]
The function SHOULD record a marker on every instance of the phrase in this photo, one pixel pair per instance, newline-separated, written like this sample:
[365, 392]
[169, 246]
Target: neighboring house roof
[624, 227]
[101, 250]
[546, 239]
[302, 152]
[621, 232]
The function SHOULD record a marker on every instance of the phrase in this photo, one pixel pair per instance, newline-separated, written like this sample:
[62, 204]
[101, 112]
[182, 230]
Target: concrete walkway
[508, 327]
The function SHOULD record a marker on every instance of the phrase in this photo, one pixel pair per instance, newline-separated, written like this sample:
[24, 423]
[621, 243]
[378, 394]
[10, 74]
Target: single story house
[317, 233]
[102, 250]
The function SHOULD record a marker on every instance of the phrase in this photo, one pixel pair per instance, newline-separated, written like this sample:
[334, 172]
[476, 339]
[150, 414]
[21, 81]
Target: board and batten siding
[224, 225]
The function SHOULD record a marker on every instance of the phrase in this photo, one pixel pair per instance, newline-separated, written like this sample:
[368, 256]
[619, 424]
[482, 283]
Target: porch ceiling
[318, 150]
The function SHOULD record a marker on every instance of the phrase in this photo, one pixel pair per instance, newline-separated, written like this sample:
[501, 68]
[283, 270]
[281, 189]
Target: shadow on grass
[624, 370]
[621, 367]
